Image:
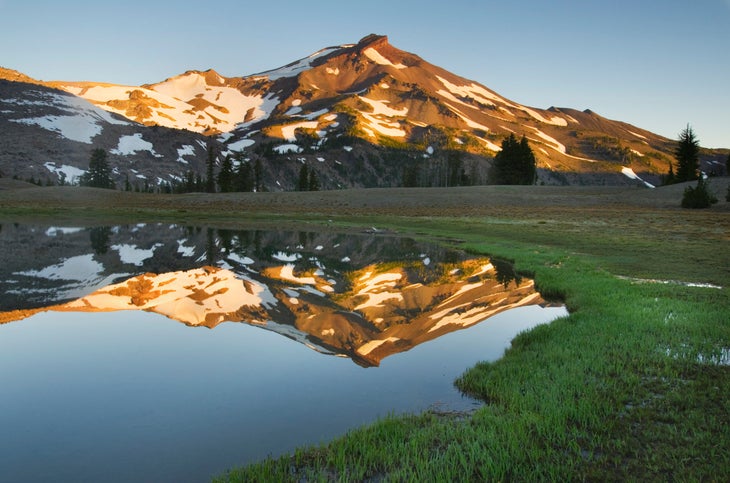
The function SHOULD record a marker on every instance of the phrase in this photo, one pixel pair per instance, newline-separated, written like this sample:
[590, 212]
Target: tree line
[515, 163]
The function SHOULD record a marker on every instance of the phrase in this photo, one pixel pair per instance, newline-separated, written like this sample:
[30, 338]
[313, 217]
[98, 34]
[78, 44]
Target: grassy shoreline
[631, 386]
[627, 388]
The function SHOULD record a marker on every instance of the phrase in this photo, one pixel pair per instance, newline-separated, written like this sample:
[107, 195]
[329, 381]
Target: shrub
[699, 196]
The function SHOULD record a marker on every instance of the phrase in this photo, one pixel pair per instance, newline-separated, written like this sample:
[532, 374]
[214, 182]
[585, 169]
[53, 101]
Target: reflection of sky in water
[133, 396]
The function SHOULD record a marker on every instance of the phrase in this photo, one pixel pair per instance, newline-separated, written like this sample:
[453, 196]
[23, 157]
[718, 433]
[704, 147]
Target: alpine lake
[171, 353]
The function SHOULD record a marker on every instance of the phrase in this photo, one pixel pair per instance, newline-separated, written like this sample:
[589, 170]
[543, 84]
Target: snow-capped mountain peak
[342, 107]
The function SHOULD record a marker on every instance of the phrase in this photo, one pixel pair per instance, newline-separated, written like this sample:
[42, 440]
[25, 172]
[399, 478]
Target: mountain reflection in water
[322, 290]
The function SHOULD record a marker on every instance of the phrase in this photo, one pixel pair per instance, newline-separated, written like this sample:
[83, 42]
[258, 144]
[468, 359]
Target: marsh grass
[631, 386]
[625, 388]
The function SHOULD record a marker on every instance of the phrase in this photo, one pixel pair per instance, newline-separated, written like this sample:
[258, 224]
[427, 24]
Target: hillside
[360, 115]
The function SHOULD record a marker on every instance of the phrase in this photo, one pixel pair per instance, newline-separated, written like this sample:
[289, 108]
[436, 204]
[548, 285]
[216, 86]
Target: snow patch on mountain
[481, 95]
[469, 122]
[295, 68]
[80, 121]
[288, 131]
[490, 145]
[553, 143]
[629, 173]
[637, 135]
[287, 148]
[378, 58]
[228, 106]
[71, 173]
[241, 144]
[376, 119]
[555, 120]
[639, 154]
[129, 145]
[472, 91]
[185, 150]
[183, 102]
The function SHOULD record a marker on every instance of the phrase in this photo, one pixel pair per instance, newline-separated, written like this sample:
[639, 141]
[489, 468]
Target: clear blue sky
[657, 64]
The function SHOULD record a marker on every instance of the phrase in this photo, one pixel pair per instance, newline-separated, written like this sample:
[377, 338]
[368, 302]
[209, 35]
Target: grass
[632, 385]
[623, 389]
[616, 391]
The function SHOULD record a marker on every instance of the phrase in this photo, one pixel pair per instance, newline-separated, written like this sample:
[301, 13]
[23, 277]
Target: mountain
[367, 114]
[47, 135]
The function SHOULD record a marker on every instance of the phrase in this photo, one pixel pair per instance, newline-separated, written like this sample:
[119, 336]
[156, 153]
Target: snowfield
[183, 102]
[382, 110]
[71, 173]
[133, 144]
[80, 122]
[629, 173]
[378, 58]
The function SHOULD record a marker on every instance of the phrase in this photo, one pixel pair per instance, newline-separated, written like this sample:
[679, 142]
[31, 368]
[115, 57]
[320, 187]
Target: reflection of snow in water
[258, 371]
[133, 255]
[82, 269]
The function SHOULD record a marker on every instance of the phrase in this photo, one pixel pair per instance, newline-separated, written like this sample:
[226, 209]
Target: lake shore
[632, 385]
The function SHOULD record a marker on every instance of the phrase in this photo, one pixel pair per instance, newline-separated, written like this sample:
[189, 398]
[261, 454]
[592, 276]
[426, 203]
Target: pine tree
[258, 174]
[313, 184]
[226, 176]
[687, 153]
[455, 169]
[98, 174]
[515, 163]
[527, 163]
[188, 184]
[210, 165]
[303, 179]
[244, 179]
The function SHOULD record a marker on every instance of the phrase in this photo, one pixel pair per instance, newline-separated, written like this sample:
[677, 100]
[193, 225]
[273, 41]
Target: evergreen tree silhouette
[687, 153]
[98, 174]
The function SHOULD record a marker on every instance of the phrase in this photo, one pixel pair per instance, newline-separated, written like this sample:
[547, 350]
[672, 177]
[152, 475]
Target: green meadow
[632, 385]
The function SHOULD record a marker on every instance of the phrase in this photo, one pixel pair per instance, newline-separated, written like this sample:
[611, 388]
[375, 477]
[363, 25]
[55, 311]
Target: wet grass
[631, 386]
[628, 387]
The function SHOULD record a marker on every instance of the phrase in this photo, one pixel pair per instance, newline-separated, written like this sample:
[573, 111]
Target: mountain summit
[364, 114]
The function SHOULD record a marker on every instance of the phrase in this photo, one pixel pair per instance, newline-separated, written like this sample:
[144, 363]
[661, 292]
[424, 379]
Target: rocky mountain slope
[365, 114]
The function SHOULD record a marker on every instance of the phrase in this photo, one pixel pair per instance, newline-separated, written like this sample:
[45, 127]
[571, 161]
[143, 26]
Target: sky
[657, 64]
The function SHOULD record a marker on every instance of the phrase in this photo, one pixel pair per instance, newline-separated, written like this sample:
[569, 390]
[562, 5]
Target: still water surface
[338, 331]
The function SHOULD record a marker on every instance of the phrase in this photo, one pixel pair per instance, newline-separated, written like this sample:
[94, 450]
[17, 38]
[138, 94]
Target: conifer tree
[226, 176]
[258, 174]
[303, 178]
[313, 184]
[210, 165]
[687, 153]
[98, 174]
[244, 180]
[515, 163]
